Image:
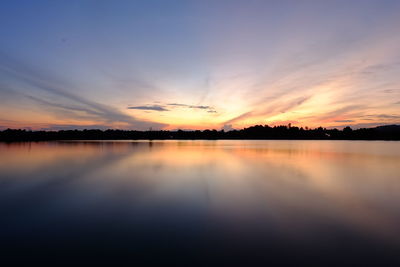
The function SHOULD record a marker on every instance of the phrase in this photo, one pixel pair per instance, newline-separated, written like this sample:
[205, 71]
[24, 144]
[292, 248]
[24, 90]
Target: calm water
[201, 202]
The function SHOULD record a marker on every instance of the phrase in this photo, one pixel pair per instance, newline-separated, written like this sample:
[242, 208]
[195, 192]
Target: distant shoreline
[258, 132]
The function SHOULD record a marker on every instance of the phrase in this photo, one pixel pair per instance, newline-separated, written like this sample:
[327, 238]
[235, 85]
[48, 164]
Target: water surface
[201, 202]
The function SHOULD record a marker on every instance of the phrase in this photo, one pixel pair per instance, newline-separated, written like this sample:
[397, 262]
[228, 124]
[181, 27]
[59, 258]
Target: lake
[206, 203]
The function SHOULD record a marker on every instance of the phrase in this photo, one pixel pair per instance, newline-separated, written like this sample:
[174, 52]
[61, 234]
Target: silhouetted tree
[389, 132]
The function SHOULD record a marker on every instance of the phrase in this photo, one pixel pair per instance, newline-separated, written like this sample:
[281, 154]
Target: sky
[198, 64]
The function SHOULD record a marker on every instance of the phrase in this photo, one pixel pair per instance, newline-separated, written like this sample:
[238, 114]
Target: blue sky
[198, 64]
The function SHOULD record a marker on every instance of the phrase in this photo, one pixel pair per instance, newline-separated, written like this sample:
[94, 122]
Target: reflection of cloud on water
[332, 186]
[295, 187]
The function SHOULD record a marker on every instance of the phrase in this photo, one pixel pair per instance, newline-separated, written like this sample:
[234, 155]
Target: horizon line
[194, 130]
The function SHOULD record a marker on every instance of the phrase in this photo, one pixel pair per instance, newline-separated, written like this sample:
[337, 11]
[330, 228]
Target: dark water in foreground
[222, 203]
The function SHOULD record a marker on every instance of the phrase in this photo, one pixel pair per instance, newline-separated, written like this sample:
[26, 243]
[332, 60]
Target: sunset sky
[198, 64]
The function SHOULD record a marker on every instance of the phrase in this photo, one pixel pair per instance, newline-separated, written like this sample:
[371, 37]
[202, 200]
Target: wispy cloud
[56, 88]
[238, 118]
[27, 125]
[386, 116]
[153, 107]
[344, 111]
[344, 121]
[391, 91]
[277, 106]
[189, 106]
[169, 106]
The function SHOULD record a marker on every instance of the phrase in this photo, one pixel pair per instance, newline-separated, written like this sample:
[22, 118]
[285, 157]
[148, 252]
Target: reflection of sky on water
[301, 193]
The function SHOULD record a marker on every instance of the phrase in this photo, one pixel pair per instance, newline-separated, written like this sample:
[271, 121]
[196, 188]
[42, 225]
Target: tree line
[388, 132]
